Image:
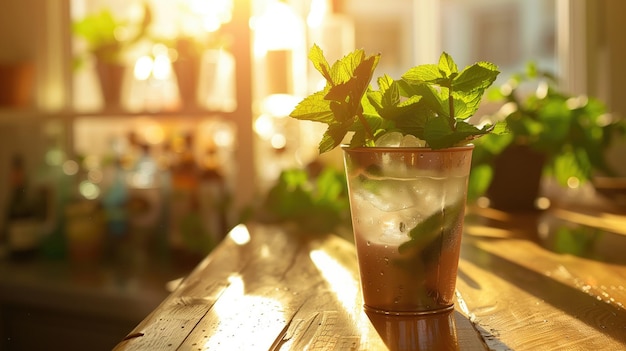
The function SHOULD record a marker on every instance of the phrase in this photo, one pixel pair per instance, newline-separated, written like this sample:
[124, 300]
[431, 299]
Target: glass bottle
[184, 202]
[23, 218]
[214, 196]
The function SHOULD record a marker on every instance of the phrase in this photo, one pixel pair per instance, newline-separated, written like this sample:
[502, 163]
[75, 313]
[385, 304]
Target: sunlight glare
[264, 126]
[95, 176]
[153, 133]
[162, 68]
[143, 68]
[573, 182]
[483, 202]
[278, 141]
[54, 157]
[279, 105]
[70, 167]
[319, 8]
[211, 23]
[240, 234]
[577, 102]
[89, 190]
[339, 279]
[238, 311]
[507, 109]
[217, 12]
[224, 137]
[542, 203]
[278, 28]
[542, 90]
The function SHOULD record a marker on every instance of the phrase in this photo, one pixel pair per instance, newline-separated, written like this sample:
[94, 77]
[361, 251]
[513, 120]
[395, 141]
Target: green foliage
[426, 231]
[318, 204]
[98, 30]
[430, 102]
[101, 33]
[578, 241]
[195, 235]
[573, 132]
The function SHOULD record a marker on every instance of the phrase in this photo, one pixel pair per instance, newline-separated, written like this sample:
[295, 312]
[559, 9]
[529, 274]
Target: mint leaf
[390, 95]
[423, 74]
[389, 103]
[316, 56]
[447, 66]
[314, 108]
[440, 135]
[429, 96]
[333, 136]
[477, 77]
[465, 105]
[430, 101]
[432, 227]
[415, 123]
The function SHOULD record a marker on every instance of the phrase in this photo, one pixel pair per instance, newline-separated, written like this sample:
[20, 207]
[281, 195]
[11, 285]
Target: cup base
[370, 309]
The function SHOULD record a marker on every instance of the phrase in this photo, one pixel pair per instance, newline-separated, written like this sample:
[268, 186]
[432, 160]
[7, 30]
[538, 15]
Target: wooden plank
[522, 296]
[276, 290]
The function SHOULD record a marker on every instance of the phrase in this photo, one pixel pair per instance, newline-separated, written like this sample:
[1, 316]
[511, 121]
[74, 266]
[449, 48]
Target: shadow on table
[433, 332]
[597, 236]
[569, 300]
[558, 234]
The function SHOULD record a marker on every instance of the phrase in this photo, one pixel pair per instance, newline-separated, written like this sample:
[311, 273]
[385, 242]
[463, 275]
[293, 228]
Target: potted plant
[101, 33]
[551, 133]
[312, 201]
[406, 165]
[17, 79]
[186, 64]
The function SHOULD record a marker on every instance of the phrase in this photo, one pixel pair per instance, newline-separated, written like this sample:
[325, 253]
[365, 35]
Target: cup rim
[346, 147]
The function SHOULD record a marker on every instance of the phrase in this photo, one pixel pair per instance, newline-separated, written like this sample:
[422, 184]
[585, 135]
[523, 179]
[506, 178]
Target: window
[407, 32]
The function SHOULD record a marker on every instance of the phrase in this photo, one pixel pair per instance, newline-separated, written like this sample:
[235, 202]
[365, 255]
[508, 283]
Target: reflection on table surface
[546, 280]
[434, 332]
[551, 280]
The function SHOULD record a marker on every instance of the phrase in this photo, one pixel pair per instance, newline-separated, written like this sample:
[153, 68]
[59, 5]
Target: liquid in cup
[407, 207]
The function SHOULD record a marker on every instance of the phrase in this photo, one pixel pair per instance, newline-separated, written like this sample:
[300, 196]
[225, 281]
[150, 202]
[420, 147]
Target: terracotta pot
[16, 83]
[187, 71]
[111, 78]
[516, 179]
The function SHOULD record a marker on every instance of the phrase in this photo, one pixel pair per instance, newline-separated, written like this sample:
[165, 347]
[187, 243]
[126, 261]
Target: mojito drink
[407, 209]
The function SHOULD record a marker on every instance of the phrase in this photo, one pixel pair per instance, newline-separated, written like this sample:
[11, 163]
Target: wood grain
[520, 287]
[524, 297]
[282, 291]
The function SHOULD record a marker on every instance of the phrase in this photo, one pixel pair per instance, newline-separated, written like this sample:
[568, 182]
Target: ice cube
[387, 195]
[454, 189]
[394, 231]
[412, 141]
[386, 227]
[393, 139]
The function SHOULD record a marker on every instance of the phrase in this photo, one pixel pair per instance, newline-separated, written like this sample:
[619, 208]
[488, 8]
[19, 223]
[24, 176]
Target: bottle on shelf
[188, 238]
[23, 219]
[115, 205]
[163, 162]
[145, 204]
[214, 195]
[53, 187]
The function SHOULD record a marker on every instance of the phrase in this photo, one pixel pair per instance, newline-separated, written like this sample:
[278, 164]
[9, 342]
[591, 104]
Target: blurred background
[135, 134]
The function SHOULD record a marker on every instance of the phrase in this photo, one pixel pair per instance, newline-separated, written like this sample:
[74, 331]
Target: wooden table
[523, 284]
[76, 305]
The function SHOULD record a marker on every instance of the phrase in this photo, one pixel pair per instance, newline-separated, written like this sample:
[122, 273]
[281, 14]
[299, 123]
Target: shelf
[19, 126]
[19, 116]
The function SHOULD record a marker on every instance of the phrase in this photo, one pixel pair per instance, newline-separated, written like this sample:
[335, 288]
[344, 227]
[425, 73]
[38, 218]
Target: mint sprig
[431, 102]
[432, 227]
